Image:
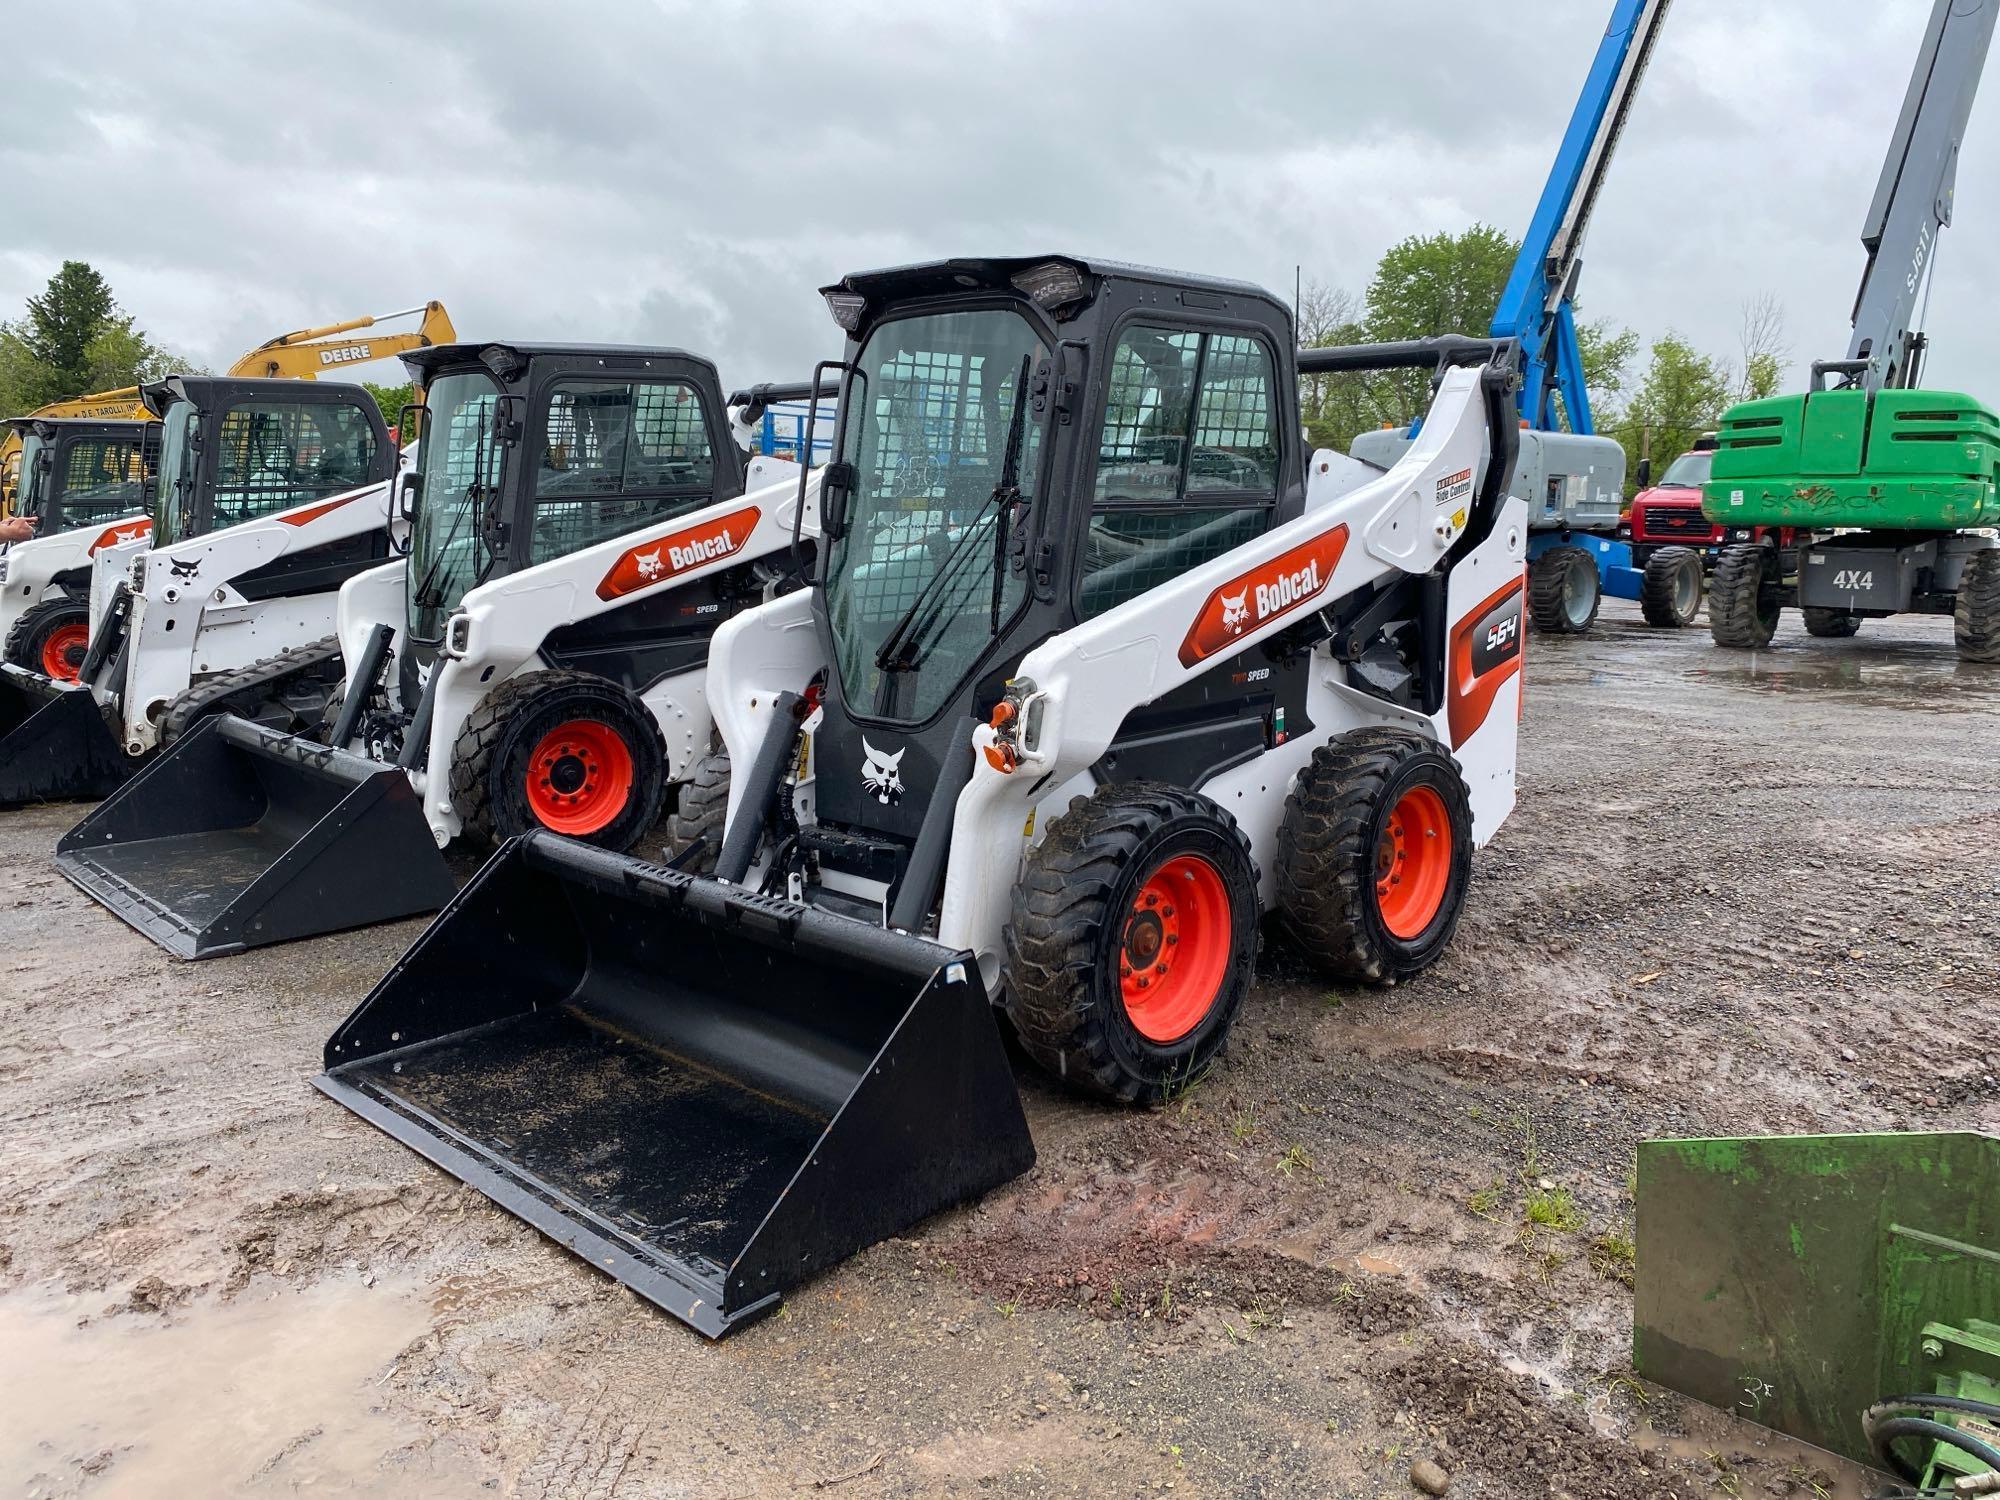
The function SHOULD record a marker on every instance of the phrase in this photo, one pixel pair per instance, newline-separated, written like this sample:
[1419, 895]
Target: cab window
[618, 455]
[103, 478]
[1187, 459]
[273, 455]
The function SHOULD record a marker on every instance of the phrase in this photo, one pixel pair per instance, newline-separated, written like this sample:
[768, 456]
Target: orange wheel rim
[1174, 949]
[579, 777]
[63, 651]
[1413, 862]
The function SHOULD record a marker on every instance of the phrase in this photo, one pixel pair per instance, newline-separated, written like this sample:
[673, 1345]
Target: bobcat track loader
[582, 519]
[1097, 667]
[85, 482]
[270, 495]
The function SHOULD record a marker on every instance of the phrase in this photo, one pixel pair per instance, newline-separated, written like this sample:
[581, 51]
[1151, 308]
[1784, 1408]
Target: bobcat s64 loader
[1098, 666]
[270, 495]
[85, 484]
[581, 519]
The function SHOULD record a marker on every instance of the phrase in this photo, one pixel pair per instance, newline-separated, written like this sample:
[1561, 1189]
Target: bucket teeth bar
[55, 745]
[239, 836]
[708, 1094]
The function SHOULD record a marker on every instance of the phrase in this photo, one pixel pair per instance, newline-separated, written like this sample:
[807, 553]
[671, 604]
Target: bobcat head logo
[1235, 611]
[881, 775]
[649, 564]
[184, 568]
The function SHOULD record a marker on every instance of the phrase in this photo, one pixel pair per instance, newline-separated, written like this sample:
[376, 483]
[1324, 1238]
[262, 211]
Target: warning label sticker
[1454, 488]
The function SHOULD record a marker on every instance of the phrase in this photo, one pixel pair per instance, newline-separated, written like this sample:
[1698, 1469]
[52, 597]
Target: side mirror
[409, 491]
[1645, 474]
[836, 487]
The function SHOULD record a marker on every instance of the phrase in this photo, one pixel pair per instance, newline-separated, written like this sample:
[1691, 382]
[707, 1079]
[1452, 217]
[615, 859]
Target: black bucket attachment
[238, 836]
[55, 745]
[708, 1094]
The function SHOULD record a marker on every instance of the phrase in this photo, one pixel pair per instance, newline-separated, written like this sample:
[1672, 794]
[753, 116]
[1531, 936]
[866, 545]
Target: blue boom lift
[1572, 479]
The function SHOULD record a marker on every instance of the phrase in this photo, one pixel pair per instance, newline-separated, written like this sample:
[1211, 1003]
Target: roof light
[1051, 284]
[847, 308]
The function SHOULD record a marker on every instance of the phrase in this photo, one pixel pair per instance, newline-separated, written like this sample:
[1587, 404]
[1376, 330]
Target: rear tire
[1830, 624]
[1743, 597]
[1133, 941]
[567, 751]
[1670, 589]
[1563, 596]
[1375, 855]
[51, 638]
[700, 812]
[1976, 615]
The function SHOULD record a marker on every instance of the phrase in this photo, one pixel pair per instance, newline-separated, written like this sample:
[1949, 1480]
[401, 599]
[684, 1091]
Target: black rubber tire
[1556, 581]
[34, 626]
[1670, 588]
[1975, 618]
[1830, 624]
[1743, 597]
[700, 812]
[1066, 934]
[1327, 841]
[489, 762]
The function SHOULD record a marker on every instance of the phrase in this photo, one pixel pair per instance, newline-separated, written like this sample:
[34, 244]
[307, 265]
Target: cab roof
[942, 277]
[503, 358]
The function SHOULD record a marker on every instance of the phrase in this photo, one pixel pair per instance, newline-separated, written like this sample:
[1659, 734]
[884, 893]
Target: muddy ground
[1740, 894]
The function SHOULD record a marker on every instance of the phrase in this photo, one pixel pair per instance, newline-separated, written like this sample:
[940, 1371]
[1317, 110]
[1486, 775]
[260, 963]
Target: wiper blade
[889, 655]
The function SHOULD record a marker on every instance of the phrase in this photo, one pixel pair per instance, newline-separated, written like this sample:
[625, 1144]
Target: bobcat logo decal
[1235, 612]
[649, 564]
[881, 775]
[184, 568]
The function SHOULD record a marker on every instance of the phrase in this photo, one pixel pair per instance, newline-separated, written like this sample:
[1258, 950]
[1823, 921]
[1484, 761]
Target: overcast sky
[691, 174]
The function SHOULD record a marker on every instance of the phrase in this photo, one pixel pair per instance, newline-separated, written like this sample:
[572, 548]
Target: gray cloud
[691, 173]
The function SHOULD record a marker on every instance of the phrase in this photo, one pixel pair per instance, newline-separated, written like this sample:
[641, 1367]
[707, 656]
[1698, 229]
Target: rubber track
[213, 694]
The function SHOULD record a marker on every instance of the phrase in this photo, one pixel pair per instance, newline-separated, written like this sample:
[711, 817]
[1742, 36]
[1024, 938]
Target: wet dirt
[1731, 883]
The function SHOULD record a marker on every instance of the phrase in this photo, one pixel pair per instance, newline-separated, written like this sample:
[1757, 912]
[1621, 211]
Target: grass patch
[1612, 1254]
[1554, 1208]
[1242, 1125]
[1296, 1159]
[1487, 1199]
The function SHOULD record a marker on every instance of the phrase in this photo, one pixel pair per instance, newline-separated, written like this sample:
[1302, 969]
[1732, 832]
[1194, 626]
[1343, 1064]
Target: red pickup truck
[1674, 545]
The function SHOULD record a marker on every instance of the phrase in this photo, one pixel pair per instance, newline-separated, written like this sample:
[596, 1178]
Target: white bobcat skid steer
[270, 495]
[582, 518]
[1098, 666]
[84, 481]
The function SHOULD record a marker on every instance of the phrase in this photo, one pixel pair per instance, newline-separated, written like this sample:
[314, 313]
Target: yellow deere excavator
[301, 355]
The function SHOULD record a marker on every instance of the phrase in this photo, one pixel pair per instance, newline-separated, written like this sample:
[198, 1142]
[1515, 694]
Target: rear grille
[1673, 521]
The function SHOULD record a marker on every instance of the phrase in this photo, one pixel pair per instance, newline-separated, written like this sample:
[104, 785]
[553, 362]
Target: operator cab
[531, 452]
[82, 471]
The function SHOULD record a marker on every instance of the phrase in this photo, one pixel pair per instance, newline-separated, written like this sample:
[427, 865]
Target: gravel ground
[1728, 877]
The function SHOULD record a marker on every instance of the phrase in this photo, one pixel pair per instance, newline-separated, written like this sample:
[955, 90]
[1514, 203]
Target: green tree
[61, 323]
[120, 355]
[1426, 285]
[1681, 396]
[1607, 355]
[392, 399]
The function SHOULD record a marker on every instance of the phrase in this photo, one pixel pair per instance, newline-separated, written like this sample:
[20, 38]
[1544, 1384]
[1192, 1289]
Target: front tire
[700, 813]
[1743, 597]
[51, 638]
[1132, 942]
[565, 751]
[1830, 624]
[1975, 616]
[1375, 855]
[1670, 589]
[1563, 596]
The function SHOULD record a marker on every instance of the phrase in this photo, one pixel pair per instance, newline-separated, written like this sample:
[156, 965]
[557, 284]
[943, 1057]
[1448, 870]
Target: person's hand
[17, 529]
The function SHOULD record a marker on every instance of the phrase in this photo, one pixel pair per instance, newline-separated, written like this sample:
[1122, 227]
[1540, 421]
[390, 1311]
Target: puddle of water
[261, 1396]
[1378, 1265]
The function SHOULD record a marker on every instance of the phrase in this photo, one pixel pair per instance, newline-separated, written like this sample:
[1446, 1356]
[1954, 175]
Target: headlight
[458, 634]
[1740, 534]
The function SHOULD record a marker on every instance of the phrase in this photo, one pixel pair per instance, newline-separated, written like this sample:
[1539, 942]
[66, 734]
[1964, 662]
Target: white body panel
[498, 631]
[188, 619]
[1089, 678]
[28, 569]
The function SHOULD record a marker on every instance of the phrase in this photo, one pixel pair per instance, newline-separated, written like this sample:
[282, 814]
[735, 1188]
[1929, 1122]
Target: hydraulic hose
[1895, 1417]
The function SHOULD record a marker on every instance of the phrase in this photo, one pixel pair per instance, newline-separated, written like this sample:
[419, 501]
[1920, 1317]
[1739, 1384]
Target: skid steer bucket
[709, 1094]
[54, 743]
[239, 836]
